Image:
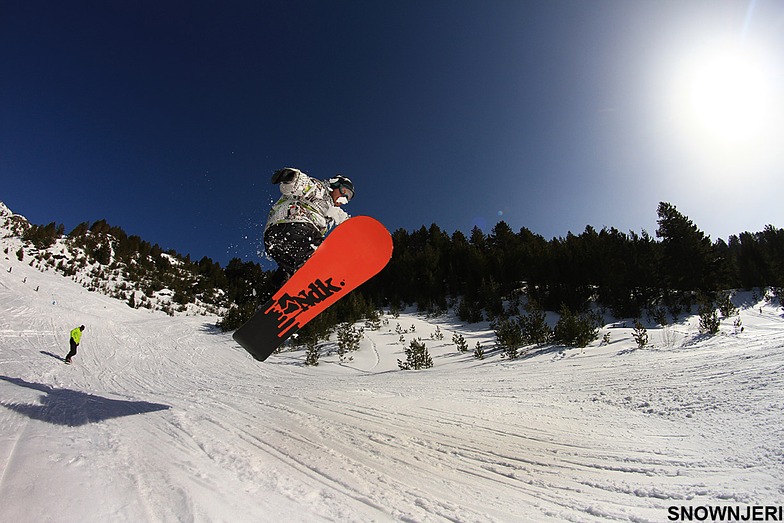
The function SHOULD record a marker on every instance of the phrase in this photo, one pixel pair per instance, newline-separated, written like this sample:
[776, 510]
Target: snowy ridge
[165, 419]
[109, 278]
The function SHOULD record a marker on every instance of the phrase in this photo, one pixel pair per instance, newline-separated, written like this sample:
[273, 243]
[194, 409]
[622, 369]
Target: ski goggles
[345, 191]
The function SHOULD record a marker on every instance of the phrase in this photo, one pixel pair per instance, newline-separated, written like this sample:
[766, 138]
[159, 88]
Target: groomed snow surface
[165, 419]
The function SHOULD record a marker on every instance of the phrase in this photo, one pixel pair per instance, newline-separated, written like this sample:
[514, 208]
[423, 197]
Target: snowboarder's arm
[284, 175]
[300, 184]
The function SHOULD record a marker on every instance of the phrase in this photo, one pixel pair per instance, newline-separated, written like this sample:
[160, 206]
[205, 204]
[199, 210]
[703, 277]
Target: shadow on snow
[55, 356]
[74, 408]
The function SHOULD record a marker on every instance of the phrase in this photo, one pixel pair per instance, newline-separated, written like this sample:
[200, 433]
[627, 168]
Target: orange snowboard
[353, 253]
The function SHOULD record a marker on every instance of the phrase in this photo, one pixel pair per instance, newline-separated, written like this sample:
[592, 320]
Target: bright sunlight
[724, 108]
[730, 95]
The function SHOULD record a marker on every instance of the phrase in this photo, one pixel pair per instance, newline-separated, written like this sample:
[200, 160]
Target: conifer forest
[483, 276]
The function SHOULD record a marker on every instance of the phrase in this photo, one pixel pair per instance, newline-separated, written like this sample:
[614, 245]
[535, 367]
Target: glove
[336, 215]
[283, 175]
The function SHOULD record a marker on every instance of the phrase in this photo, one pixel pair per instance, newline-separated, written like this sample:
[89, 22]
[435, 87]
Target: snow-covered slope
[166, 419]
[67, 257]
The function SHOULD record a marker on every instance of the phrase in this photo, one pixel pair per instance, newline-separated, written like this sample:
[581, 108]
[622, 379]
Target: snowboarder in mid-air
[301, 218]
[315, 269]
[76, 338]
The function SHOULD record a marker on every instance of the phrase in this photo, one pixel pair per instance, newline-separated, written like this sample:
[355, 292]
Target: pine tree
[534, 325]
[640, 334]
[509, 335]
[576, 330]
[459, 340]
[348, 339]
[312, 353]
[417, 357]
[726, 307]
[709, 316]
[688, 261]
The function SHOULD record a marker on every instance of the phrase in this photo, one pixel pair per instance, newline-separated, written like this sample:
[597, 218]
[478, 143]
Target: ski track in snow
[166, 419]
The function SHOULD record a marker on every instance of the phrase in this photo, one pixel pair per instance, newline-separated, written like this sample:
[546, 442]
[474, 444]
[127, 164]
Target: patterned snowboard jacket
[306, 200]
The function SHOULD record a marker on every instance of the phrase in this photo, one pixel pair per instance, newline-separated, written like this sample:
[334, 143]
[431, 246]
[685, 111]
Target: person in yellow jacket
[76, 338]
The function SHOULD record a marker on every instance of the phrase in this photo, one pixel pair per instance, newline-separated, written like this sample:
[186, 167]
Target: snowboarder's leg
[290, 245]
[73, 351]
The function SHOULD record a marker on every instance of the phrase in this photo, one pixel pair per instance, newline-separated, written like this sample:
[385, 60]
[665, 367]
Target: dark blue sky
[167, 117]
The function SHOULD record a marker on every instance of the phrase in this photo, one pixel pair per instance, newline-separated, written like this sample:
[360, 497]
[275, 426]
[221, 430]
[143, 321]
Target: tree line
[479, 274]
[626, 273]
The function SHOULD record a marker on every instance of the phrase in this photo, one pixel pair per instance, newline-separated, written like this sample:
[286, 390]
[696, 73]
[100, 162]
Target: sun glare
[725, 106]
[730, 95]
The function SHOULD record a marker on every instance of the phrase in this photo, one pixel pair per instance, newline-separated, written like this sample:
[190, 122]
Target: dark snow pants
[73, 350]
[290, 245]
